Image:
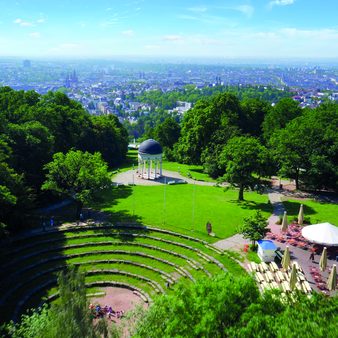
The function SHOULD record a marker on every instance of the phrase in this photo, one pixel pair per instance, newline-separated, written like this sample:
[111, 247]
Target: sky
[246, 29]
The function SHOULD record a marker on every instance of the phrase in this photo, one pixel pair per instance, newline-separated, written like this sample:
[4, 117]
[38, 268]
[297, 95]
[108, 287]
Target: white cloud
[22, 23]
[41, 20]
[245, 9]
[172, 38]
[35, 35]
[281, 3]
[128, 33]
[198, 9]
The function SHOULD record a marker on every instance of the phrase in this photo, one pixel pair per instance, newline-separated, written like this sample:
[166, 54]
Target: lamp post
[193, 206]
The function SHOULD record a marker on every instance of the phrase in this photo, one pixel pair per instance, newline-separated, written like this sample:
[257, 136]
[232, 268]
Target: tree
[68, 317]
[77, 174]
[255, 227]
[107, 136]
[168, 132]
[307, 148]
[277, 118]
[241, 158]
[31, 145]
[253, 112]
[204, 309]
[209, 123]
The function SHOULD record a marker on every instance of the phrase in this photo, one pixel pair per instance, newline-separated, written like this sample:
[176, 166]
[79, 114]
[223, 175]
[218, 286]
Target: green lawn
[191, 171]
[318, 212]
[184, 208]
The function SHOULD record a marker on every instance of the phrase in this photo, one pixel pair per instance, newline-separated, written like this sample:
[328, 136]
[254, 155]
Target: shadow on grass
[292, 208]
[251, 205]
[110, 196]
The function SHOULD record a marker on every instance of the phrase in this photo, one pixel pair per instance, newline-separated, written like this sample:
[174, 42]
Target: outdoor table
[265, 285]
[307, 286]
[259, 277]
[301, 277]
[280, 276]
[253, 266]
[269, 276]
[273, 267]
[286, 286]
[286, 276]
[264, 266]
[274, 285]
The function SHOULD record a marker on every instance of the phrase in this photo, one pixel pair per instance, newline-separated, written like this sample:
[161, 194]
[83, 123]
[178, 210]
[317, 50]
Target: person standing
[312, 256]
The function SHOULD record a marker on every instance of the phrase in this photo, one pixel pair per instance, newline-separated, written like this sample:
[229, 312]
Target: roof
[322, 233]
[267, 244]
[150, 147]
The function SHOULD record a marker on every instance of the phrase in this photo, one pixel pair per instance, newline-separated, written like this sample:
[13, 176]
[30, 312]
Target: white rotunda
[150, 160]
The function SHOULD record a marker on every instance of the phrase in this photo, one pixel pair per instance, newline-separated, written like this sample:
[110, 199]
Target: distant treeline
[235, 138]
[33, 127]
[161, 102]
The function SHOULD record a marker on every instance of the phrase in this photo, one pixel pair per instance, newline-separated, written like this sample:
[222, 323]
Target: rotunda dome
[150, 147]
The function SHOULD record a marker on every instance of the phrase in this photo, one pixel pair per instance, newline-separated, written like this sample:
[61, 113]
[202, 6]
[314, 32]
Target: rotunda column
[149, 166]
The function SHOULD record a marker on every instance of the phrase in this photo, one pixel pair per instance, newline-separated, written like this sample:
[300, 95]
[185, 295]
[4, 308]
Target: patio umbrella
[323, 260]
[332, 281]
[286, 258]
[285, 222]
[301, 215]
[324, 233]
[293, 277]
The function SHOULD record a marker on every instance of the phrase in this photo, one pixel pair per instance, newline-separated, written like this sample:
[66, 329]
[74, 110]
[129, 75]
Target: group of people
[99, 312]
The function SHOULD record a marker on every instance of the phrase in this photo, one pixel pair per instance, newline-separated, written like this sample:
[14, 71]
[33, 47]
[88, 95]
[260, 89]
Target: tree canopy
[33, 127]
[255, 227]
[76, 174]
[229, 306]
[241, 158]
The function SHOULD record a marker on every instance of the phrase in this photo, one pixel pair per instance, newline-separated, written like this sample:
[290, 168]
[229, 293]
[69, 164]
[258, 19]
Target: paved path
[130, 177]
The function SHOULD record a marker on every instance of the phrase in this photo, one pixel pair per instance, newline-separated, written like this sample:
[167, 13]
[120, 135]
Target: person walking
[312, 256]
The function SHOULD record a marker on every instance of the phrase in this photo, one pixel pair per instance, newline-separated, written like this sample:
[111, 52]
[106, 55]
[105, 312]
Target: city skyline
[201, 29]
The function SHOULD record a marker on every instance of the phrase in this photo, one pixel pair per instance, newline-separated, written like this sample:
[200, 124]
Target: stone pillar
[149, 166]
[161, 167]
[156, 162]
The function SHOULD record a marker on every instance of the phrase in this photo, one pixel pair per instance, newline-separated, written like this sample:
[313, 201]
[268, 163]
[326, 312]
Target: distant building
[71, 80]
[26, 63]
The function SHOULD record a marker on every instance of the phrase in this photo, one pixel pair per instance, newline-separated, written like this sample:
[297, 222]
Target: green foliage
[307, 148]
[77, 174]
[278, 117]
[109, 137]
[69, 317]
[232, 307]
[208, 124]
[241, 158]
[204, 309]
[32, 128]
[255, 227]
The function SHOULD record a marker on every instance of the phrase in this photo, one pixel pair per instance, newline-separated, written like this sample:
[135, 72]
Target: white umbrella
[332, 281]
[323, 233]
[323, 260]
[301, 215]
[284, 222]
[286, 258]
[293, 277]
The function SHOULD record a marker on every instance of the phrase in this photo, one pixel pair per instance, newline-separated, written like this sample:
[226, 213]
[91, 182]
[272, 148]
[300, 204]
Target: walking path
[130, 177]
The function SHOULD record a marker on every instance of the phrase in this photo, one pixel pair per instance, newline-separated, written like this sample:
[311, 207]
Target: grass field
[184, 208]
[317, 211]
